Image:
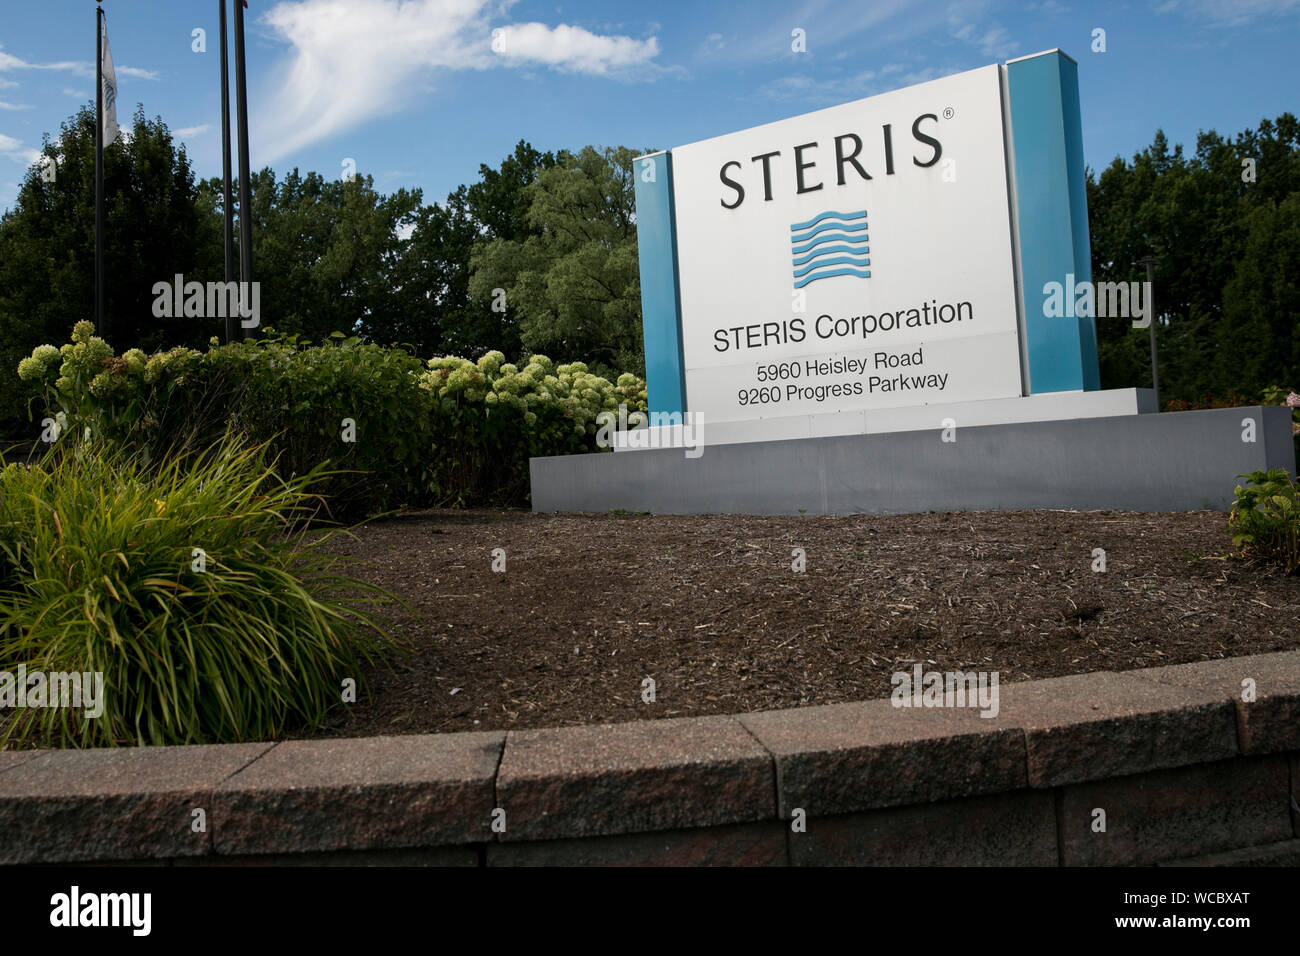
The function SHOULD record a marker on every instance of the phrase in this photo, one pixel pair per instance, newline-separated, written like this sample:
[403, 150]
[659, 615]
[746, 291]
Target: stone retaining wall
[1184, 769]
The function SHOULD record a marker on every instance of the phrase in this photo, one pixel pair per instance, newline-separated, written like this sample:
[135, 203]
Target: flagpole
[245, 189]
[227, 201]
[99, 171]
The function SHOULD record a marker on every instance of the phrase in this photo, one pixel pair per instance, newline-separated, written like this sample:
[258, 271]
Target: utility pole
[245, 189]
[99, 171]
[227, 201]
[1150, 263]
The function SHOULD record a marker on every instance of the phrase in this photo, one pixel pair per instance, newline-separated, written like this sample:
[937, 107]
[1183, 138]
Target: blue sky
[419, 92]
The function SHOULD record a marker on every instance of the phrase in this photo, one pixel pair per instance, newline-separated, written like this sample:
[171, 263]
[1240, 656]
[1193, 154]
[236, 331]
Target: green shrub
[449, 431]
[243, 640]
[490, 417]
[1265, 518]
[356, 407]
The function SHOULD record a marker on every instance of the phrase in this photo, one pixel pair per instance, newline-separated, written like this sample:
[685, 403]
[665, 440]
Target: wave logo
[832, 244]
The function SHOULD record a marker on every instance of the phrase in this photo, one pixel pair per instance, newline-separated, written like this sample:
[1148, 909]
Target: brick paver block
[1174, 814]
[114, 803]
[1105, 724]
[634, 777]
[1005, 829]
[741, 844]
[12, 758]
[1286, 853]
[1268, 724]
[439, 856]
[367, 793]
[844, 757]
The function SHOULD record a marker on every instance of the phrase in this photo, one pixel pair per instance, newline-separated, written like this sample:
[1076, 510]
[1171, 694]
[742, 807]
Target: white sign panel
[853, 258]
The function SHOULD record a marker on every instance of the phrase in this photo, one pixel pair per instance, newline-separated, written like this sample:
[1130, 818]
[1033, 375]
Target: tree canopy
[573, 282]
[539, 255]
[154, 224]
[1224, 225]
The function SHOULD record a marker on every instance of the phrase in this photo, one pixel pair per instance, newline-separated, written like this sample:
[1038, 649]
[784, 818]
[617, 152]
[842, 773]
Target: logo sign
[853, 258]
[837, 234]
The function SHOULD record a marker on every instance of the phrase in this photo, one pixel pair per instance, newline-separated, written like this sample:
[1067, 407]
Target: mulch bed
[709, 607]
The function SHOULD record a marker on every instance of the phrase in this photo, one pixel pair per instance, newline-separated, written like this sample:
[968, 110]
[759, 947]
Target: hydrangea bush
[493, 416]
[445, 431]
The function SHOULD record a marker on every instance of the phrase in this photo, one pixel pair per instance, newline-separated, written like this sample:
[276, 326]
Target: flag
[109, 80]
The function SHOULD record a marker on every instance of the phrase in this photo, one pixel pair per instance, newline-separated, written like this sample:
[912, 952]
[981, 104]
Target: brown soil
[709, 607]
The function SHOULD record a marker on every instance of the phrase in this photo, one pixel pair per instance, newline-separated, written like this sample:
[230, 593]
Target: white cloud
[827, 24]
[6, 84]
[10, 62]
[79, 94]
[16, 151]
[992, 41]
[811, 90]
[572, 49]
[843, 88]
[13, 106]
[85, 68]
[352, 60]
[928, 73]
[997, 43]
[186, 131]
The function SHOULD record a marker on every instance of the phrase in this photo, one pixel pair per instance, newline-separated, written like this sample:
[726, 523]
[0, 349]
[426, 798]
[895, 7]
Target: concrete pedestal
[1172, 461]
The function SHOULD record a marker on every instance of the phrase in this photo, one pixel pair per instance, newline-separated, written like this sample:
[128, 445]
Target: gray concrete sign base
[1171, 461]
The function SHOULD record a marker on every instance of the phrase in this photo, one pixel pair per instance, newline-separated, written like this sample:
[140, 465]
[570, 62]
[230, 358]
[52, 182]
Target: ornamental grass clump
[192, 585]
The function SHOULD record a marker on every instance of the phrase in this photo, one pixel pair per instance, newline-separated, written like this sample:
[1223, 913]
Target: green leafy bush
[491, 417]
[1265, 518]
[354, 406]
[190, 584]
[393, 430]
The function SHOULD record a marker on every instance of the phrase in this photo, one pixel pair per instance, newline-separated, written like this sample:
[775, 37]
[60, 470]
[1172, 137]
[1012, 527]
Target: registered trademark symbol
[948, 112]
